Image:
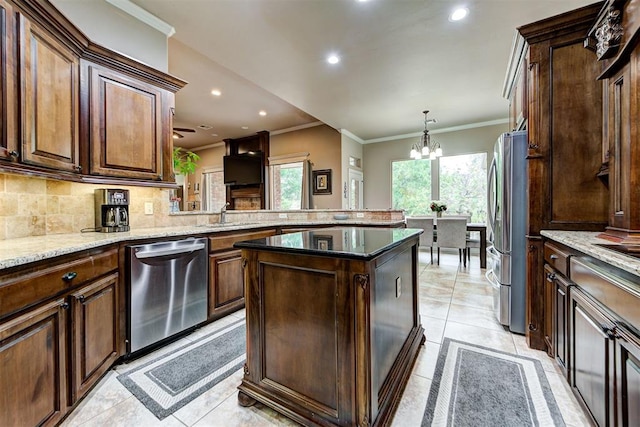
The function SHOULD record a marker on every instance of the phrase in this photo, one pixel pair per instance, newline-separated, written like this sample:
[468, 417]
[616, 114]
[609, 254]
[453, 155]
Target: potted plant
[184, 162]
[438, 207]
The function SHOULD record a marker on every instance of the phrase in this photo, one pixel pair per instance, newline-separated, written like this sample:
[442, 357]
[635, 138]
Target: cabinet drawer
[617, 291]
[556, 257]
[22, 290]
[217, 243]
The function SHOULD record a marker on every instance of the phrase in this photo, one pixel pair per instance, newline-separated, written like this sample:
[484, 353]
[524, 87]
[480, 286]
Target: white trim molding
[143, 16]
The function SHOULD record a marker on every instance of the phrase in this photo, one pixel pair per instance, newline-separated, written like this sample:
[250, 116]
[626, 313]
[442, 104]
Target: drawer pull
[554, 257]
[551, 277]
[64, 305]
[80, 298]
[67, 277]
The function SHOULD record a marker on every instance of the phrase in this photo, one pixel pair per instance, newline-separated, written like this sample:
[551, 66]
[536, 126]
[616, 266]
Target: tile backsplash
[31, 206]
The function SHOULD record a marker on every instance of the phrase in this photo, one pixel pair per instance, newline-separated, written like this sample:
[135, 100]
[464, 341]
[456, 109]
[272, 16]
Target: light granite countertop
[16, 252]
[587, 241]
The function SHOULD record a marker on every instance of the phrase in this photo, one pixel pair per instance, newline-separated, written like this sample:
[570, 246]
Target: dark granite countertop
[340, 242]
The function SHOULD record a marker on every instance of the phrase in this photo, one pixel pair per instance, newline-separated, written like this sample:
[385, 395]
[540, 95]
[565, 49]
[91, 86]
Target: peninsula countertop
[24, 250]
[588, 242]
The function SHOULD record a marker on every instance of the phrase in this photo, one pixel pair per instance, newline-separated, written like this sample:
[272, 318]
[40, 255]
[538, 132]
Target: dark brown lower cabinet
[627, 378]
[226, 284]
[592, 357]
[95, 333]
[33, 373]
[557, 299]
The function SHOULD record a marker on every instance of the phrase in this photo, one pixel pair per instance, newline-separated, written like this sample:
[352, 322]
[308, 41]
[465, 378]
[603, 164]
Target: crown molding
[143, 16]
[295, 128]
[437, 131]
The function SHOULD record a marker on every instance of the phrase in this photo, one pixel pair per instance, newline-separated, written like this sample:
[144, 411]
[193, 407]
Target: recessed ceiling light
[262, 113]
[216, 92]
[459, 14]
[333, 59]
[245, 127]
[204, 127]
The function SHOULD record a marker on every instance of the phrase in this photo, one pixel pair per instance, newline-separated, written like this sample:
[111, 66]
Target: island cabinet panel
[95, 333]
[300, 332]
[50, 95]
[331, 340]
[33, 367]
[8, 100]
[127, 122]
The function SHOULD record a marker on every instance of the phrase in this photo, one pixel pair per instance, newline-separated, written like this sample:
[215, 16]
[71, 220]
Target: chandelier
[425, 147]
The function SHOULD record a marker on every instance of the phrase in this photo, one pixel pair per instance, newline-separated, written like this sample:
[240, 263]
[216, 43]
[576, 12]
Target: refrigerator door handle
[491, 195]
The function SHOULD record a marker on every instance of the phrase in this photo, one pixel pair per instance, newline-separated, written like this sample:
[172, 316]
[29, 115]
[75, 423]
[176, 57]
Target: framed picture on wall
[322, 181]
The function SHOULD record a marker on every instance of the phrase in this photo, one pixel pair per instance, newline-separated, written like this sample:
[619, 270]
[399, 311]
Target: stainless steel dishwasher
[167, 289]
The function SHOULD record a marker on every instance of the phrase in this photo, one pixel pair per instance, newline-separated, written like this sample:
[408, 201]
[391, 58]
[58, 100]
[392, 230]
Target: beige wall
[323, 143]
[110, 27]
[378, 158]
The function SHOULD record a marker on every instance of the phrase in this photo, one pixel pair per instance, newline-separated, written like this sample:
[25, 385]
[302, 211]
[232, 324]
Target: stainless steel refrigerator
[507, 206]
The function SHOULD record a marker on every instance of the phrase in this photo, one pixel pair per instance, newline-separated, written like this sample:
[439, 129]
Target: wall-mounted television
[243, 169]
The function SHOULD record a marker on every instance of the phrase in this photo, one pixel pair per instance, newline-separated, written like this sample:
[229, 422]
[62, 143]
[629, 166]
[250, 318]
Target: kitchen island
[333, 327]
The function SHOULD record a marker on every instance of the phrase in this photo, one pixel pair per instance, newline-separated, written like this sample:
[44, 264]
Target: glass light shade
[432, 155]
[438, 152]
[413, 153]
[425, 151]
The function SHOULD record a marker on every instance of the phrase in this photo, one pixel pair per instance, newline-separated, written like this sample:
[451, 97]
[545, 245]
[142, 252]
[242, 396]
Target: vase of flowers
[438, 207]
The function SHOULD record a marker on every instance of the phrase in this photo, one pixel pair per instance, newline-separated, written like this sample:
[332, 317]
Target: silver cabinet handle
[554, 257]
[165, 252]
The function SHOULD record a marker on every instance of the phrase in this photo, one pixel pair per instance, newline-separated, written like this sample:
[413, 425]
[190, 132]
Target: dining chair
[425, 223]
[452, 233]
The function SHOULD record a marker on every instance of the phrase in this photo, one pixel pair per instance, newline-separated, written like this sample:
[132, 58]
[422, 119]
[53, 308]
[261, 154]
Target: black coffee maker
[112, 210]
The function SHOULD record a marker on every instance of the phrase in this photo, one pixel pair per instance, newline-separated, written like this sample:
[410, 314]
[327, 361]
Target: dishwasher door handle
[165, 252]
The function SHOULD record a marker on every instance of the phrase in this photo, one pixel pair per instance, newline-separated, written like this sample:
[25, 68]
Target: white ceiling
[399, 57]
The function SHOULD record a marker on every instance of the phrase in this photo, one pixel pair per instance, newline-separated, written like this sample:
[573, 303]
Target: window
[289, 182]
[286, 191]
[411, 186]
[463, 185]
[458, 181]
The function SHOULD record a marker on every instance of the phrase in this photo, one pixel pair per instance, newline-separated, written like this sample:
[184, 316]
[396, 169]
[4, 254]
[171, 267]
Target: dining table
[482, 229]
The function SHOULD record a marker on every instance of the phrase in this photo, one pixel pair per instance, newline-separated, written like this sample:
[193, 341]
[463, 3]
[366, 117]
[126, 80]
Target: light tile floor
[455, 302]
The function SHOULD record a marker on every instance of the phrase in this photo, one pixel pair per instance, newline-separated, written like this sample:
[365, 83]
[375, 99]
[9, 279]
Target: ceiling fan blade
[176, 135]
[184, 130]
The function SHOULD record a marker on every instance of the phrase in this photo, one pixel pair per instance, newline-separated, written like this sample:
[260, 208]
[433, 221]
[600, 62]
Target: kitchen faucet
[223, 213]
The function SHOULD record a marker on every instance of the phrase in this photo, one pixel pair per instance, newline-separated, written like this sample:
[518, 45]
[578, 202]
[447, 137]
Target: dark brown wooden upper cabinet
[49, 101]
[8, 104]
[129, 129]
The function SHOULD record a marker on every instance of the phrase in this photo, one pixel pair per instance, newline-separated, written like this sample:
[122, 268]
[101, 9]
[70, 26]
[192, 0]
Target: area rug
[478, 386]
[170, 381]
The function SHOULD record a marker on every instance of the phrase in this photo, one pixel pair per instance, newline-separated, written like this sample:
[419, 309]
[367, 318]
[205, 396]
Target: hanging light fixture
[425, 147]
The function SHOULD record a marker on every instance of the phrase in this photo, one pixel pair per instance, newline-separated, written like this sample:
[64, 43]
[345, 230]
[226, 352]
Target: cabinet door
[560, 306]
[628, 378]
[535, 294]
[226, 283]
[95, 333]
[127, 136]
[50, 88]
[33, 373]
[591, 357]
[8, 101]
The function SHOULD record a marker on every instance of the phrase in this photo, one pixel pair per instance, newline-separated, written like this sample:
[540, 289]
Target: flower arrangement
[438, 206]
